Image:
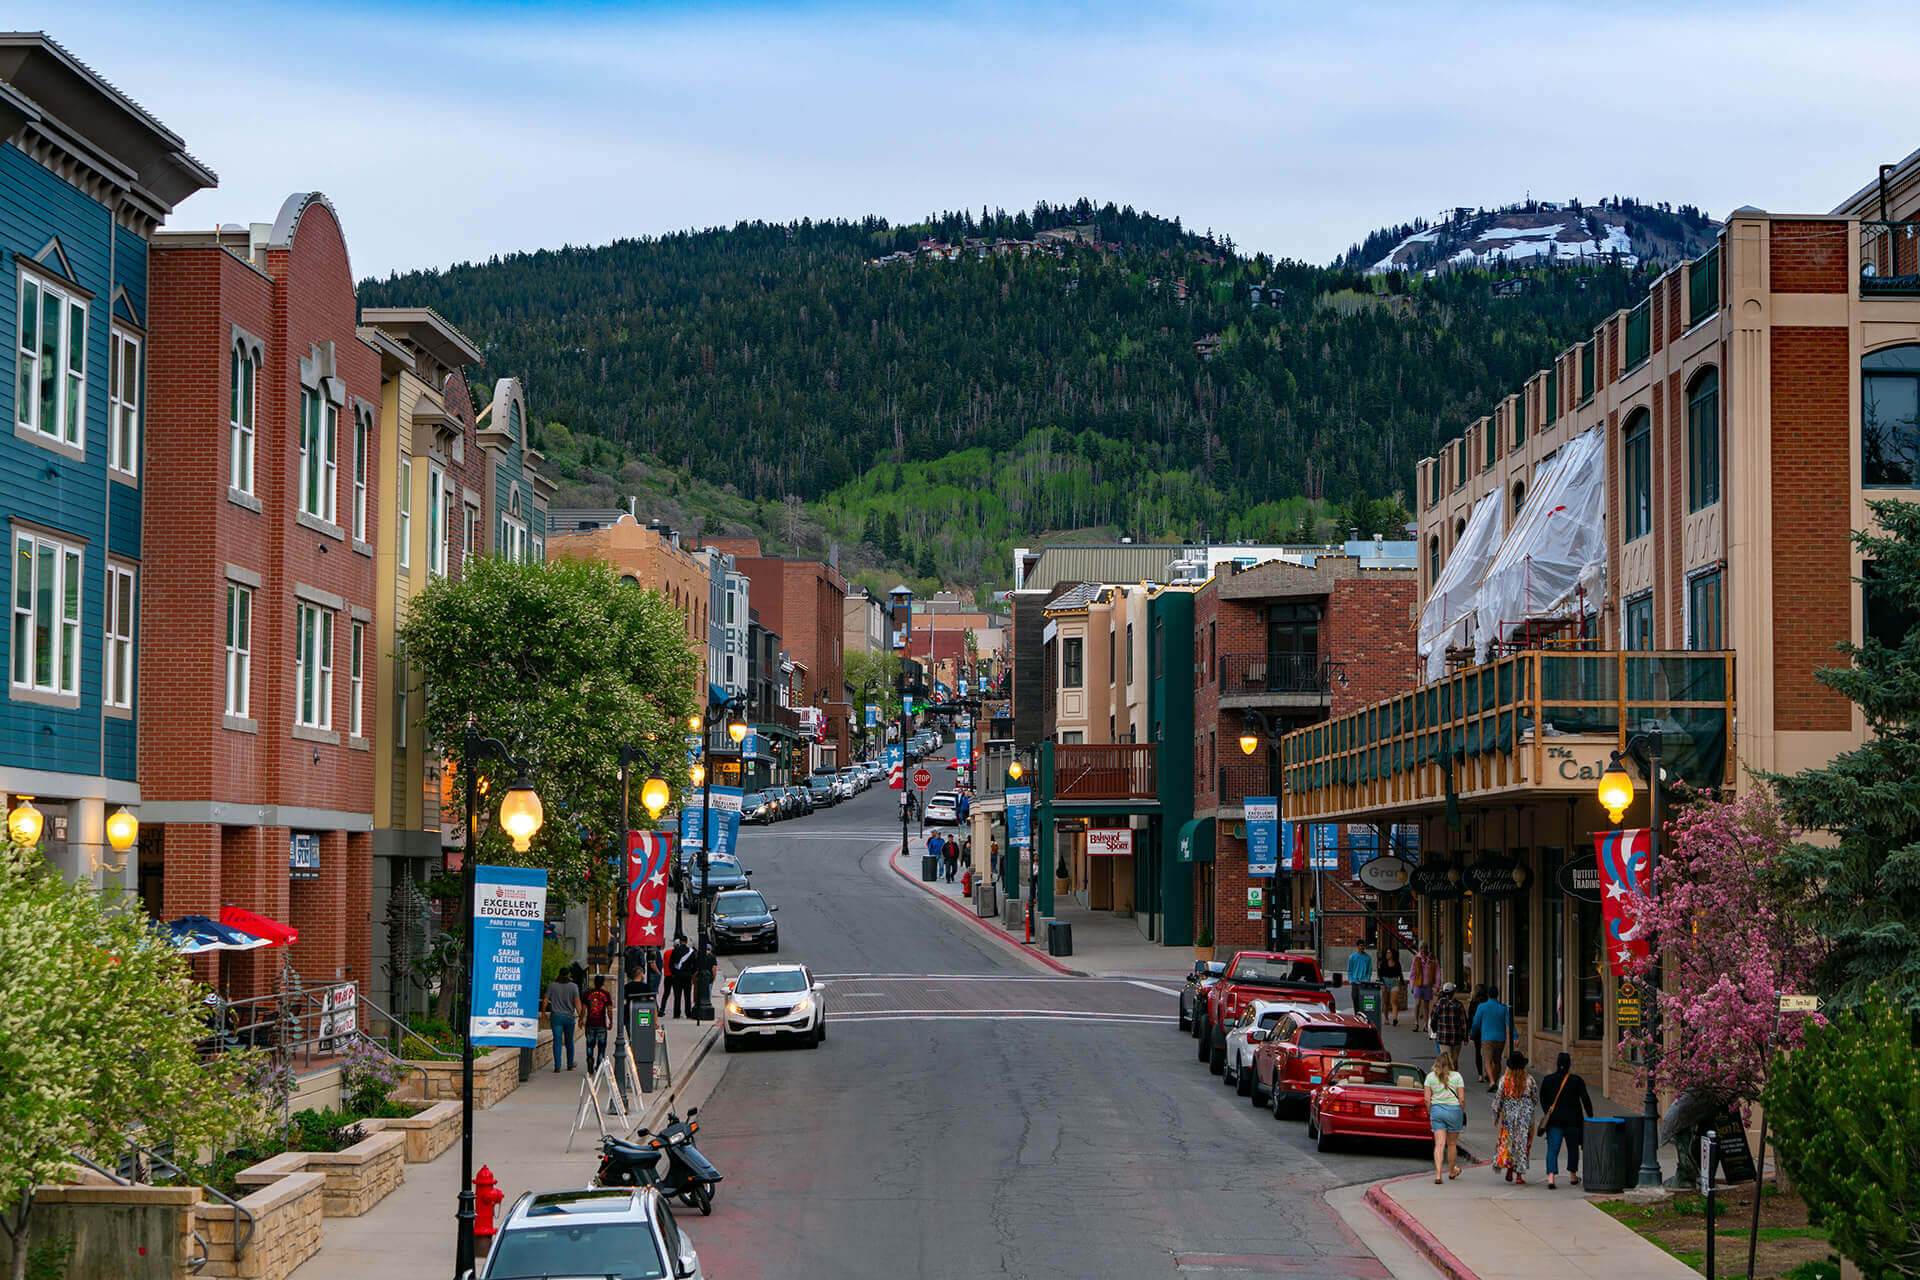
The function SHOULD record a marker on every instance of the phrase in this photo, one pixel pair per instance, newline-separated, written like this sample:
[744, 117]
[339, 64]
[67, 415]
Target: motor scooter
[689, 1175]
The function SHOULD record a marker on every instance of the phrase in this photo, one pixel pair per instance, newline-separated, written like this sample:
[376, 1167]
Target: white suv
[771, 1000]
[1257, 1021]
[623, 1232]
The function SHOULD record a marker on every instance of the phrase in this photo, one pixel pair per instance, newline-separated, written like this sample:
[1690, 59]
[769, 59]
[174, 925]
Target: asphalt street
[973, 1114]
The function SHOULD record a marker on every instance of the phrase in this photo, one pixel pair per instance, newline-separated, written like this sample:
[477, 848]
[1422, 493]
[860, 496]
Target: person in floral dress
[1514, 1107]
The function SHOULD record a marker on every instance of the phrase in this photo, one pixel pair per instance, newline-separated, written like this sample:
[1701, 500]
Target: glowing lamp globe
[24, 823]
[737, 730]
[698, 772]
[1014, 771]
[1249, 741]
[123, 829]
[1615, 791]
[521, 813]
[654, 795]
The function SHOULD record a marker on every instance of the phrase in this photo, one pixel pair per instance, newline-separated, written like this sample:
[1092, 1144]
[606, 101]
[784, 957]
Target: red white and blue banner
[1626, 884]
[509, 938]
[649, 854]
[896, 767]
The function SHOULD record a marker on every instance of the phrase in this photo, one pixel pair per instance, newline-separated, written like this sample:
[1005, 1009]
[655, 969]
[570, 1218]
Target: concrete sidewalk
[523, 1141]
[1104, 945]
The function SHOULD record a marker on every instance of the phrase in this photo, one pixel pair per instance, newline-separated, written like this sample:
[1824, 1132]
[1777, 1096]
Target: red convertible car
[1294, 1058]
[1361, 1098]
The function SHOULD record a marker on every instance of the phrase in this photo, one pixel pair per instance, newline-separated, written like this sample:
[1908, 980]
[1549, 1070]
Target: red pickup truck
[1259, 975]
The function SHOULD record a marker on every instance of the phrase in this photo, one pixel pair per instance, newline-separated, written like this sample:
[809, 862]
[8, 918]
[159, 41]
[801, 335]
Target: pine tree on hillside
[1866, 905]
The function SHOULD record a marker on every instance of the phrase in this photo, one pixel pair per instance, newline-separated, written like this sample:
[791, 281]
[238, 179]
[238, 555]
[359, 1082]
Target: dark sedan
[724, 872]
[742, 919]
[1205, 974]
[762, 807]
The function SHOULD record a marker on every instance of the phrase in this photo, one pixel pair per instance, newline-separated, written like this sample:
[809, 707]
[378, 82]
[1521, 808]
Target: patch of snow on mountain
[1418, 237]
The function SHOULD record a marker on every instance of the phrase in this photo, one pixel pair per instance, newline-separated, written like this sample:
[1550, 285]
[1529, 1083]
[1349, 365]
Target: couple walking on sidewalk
[1515, 1109]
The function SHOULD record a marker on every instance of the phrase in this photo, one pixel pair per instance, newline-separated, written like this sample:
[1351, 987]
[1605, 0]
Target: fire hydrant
[486, 1194]
[966, 883]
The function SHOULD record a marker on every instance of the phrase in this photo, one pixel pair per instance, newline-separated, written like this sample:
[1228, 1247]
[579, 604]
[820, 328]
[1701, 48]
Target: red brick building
[804, 601]
[1293, 644]
[262, 441]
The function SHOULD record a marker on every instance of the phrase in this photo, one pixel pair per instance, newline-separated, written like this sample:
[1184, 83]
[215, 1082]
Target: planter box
[495, 1075]
[543, 1051]
[355, 1179]
[286, 1229]
[428, 1133]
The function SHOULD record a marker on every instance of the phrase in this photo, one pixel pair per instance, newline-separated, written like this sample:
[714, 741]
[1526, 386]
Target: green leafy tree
[564, 662]
[1865, 876]
[874, 678]
[1847, 1111]
[99, 1033]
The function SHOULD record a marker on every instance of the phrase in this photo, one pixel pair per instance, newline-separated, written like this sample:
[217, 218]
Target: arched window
[1890, 417]
[1703, 440]
[1636, 477]
[1519, 497]
[513, 419]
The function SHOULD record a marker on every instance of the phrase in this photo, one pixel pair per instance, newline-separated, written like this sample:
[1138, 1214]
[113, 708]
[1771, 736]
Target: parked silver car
[624, 1232]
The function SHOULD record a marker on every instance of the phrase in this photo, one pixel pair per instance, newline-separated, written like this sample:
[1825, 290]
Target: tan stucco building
[649, 557]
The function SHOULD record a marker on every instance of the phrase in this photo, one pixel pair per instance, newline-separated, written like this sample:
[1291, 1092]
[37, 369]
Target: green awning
[1196, 841]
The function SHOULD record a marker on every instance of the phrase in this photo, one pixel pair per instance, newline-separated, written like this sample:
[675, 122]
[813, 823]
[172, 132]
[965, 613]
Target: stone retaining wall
[495, 1075]
[356, 1179]
[428, 1133]
[286, 1229]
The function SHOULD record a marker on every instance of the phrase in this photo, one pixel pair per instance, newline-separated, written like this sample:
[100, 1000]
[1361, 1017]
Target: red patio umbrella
[276, 934]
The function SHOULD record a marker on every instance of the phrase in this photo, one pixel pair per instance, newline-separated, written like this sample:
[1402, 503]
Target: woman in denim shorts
[1446, 1108]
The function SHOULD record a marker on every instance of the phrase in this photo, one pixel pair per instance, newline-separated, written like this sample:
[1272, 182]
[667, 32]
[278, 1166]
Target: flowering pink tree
[1723, 931]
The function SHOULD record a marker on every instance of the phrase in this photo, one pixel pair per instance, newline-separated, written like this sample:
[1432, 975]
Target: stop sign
[922, 779]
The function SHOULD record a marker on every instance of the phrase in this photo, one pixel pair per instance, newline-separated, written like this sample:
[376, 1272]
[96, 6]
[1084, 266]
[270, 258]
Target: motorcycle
[689, 1175]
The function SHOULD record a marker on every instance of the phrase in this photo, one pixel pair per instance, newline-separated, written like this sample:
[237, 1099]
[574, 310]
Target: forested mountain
[1101, 370]
[1618, 229]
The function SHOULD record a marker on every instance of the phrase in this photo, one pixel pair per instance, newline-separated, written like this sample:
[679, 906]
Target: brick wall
[1370, 630]
[1807, 257]
[1812, 380]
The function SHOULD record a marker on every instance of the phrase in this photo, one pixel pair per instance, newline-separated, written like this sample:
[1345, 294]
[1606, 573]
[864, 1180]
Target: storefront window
[1522, 951]
[1593, 1015]
[1553, 951]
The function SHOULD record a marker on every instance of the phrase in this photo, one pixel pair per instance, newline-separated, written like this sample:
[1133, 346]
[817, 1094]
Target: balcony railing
[1245, 675]
[1528, 720]
[1889, 259]
[1124, 771]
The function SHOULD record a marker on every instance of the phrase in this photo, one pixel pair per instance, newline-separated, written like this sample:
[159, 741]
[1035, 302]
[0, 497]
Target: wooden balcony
[1530, 725]
[1124, 771]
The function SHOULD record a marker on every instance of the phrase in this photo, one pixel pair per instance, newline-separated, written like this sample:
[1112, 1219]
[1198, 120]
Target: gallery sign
[1437, 880]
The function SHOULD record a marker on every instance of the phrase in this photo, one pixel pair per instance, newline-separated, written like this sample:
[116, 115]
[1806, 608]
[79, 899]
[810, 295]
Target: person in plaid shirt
[1449, 1019]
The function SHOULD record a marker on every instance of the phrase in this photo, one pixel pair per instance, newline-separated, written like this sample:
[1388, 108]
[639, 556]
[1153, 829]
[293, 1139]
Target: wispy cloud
[449, 131]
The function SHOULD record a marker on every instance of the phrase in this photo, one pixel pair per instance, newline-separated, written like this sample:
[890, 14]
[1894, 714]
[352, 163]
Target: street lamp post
[733, 712]
[520, 818]
[654, 795]
[901, 600]
[1616, 793]
[1255, 729]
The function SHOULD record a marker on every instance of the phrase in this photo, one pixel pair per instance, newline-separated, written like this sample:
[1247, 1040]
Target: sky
[451, 131]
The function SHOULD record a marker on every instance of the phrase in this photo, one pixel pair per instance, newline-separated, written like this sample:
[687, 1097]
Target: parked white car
[942, 807]
[1257, 1021]
[768, 1001]
[608, 1231]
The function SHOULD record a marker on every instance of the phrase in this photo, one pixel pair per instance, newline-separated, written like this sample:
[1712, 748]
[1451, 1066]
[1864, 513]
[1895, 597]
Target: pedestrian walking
[1492, 1026]
[993, 857]
[1513, 1112]
[563, 1006]
[1390, 975]
[643, 977]
[1449, 1025]
[679, 978]
[1420, 988]
[1446, 1112]
[1473, 1034]
[598, 1004]
[1359, 970]
[1568, 1105]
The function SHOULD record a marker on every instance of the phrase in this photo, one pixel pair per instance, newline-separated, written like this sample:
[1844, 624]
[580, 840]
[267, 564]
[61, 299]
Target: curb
[1421, 1240]
[1020, 948]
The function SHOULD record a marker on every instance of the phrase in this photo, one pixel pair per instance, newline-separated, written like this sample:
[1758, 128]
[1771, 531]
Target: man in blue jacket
[1359, 970]
[1492, 1027]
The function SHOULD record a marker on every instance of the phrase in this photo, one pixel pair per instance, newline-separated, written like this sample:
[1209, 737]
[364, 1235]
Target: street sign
[1256, 902]
[1799, 1004]
[922, 779]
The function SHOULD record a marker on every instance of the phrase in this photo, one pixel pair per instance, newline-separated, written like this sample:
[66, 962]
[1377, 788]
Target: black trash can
[1059, 938]
[1605, 1166]
[929, 867]
[1366, 1000]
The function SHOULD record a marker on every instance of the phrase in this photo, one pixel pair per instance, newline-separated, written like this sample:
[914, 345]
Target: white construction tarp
[1557, 548]
[1448, 618]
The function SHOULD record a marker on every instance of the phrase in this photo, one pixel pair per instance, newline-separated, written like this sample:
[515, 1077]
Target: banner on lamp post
[1019, 817]
[1325, 852]
[1626, 883]
[509, 939]
[873, 715]
[896, 767]
[726, 819]
[1263, 835]
[649, 854]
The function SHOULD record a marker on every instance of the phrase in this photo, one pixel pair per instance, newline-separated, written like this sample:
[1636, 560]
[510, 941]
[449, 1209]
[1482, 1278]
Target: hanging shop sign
[1387, 874]
[1580, 878]
[1110, 842]
[1438, 880]
[1495, 876]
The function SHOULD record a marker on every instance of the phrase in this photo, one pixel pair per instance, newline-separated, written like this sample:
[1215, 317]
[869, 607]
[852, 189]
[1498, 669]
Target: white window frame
[356, 678]
[436, 522]
[123, 403]
[65, 421]
[470, 539]
[65, 597]
[362, 442]
[239, 650]
[403, 527]
[117, 671]
[241, 408]
[513, 539]
[319, 455]
[313, 666]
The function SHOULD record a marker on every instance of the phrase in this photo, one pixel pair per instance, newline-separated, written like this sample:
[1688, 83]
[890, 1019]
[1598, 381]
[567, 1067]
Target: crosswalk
[898, 997]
